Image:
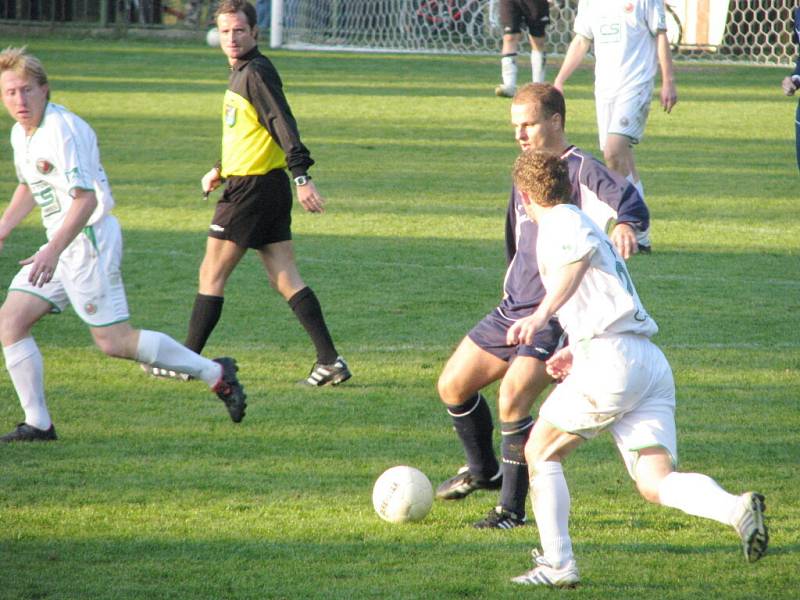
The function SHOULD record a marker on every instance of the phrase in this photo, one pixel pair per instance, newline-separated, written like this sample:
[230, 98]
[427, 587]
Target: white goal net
[755, 31]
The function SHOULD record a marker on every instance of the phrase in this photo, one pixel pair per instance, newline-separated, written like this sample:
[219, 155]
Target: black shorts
[254, 210]
[536, 14]
[490, 335]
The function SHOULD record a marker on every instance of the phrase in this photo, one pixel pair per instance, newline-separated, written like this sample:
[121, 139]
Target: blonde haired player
[58, 165]
[614, 378]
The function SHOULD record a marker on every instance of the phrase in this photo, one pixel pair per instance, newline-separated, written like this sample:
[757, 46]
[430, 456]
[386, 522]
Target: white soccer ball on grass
[402, 494]
[212, 37]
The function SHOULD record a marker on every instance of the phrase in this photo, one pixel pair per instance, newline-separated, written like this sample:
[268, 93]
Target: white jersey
[61, 156]
[623, 32]
[606, 301]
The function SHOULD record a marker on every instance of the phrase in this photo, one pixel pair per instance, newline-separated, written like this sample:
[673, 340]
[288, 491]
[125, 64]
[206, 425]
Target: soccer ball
[402, 494]
[212, 37]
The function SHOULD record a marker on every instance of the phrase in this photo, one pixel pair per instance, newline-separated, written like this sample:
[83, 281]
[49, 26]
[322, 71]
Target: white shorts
[87, 276]
[625, 114]
[623, 384]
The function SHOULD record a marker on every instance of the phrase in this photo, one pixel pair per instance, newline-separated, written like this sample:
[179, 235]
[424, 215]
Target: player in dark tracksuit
[792, 83]
[485, 355]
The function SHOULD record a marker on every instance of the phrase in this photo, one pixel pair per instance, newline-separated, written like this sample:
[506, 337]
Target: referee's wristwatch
[302, 180]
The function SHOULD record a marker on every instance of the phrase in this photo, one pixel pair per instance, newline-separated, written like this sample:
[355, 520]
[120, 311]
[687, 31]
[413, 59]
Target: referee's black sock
[308, 311]
[473, 423]
[205, 315]
[515, 470]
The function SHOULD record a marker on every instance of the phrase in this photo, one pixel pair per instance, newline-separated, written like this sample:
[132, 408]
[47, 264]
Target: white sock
[160, 350]
[699, 495]
[24, 364]
[508, 68]
[551, 503]
[538, 65]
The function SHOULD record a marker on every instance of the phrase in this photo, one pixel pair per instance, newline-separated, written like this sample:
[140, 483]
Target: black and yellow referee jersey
[259, 132]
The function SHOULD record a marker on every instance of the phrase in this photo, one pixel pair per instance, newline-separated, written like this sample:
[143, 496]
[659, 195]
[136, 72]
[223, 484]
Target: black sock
[473, 423]
[205, 315]
[515, 470]
[308, 311]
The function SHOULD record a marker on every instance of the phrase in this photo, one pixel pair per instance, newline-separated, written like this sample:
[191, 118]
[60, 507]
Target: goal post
[751, 31]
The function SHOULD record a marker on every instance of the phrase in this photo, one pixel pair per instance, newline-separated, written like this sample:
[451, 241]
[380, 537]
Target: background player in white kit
[614, 378]
[630, 45]
[58, 165]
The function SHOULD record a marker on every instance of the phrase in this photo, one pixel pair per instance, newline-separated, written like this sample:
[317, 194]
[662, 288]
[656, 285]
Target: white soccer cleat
[544, 574]
[749, 524]
[505, 91]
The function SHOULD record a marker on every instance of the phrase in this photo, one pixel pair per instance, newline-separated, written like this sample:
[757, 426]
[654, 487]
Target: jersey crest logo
[44, 166]
[628, 8]
[230, 116]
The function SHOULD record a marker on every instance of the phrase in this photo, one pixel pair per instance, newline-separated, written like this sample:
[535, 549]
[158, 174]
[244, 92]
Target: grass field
[153, 493]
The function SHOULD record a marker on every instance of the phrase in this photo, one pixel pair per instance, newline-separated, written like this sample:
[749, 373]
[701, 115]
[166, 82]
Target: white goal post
[753, 31]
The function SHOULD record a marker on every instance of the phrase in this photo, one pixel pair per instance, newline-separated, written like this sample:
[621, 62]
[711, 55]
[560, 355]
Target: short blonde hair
[19, 61]
[544, 176]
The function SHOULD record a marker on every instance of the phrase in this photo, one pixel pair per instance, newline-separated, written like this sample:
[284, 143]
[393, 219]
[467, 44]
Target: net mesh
[754, 31]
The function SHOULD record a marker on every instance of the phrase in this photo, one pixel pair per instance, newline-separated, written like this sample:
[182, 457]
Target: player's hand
[669, 96]
[559, 365]
[309, 198]
[211, 180]
[789, 86]
[624, 239]
[522, 331]
[43, 266]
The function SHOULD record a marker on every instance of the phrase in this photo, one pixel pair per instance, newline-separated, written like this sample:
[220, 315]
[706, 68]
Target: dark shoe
[499, 518]
[328, 374]
[464, 483]
[29, 433]
[165, 373]
[229, 390]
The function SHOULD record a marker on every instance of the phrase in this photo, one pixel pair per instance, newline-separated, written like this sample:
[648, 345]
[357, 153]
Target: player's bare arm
[211, 180]
[669, 93]
[559, 365]
[578, 48]
[570, 277]
[623, 236]
[309, 197]
[44, 262]
[22, 203]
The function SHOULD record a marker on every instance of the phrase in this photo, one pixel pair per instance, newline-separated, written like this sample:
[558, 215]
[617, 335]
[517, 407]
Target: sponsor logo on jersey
[44, 166]
[90, 308]
[230, 116]
[215, 227]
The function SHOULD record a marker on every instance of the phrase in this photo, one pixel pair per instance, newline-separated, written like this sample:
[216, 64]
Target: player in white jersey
[58, 165]
[630, 45]
[613, 378]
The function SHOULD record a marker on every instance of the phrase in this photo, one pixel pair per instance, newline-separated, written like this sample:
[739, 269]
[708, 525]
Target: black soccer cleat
[500, 518]
[229, 390]
[29, 433]
[463, 483]
[332, 374]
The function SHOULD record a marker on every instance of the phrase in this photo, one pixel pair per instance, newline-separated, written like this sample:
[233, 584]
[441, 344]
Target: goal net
[755, 31]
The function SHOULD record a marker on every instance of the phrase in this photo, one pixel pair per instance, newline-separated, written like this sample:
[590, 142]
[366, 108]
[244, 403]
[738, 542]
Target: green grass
[152, 493]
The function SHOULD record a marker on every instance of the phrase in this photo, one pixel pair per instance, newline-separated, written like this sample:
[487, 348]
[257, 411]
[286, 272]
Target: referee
[260, 141]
